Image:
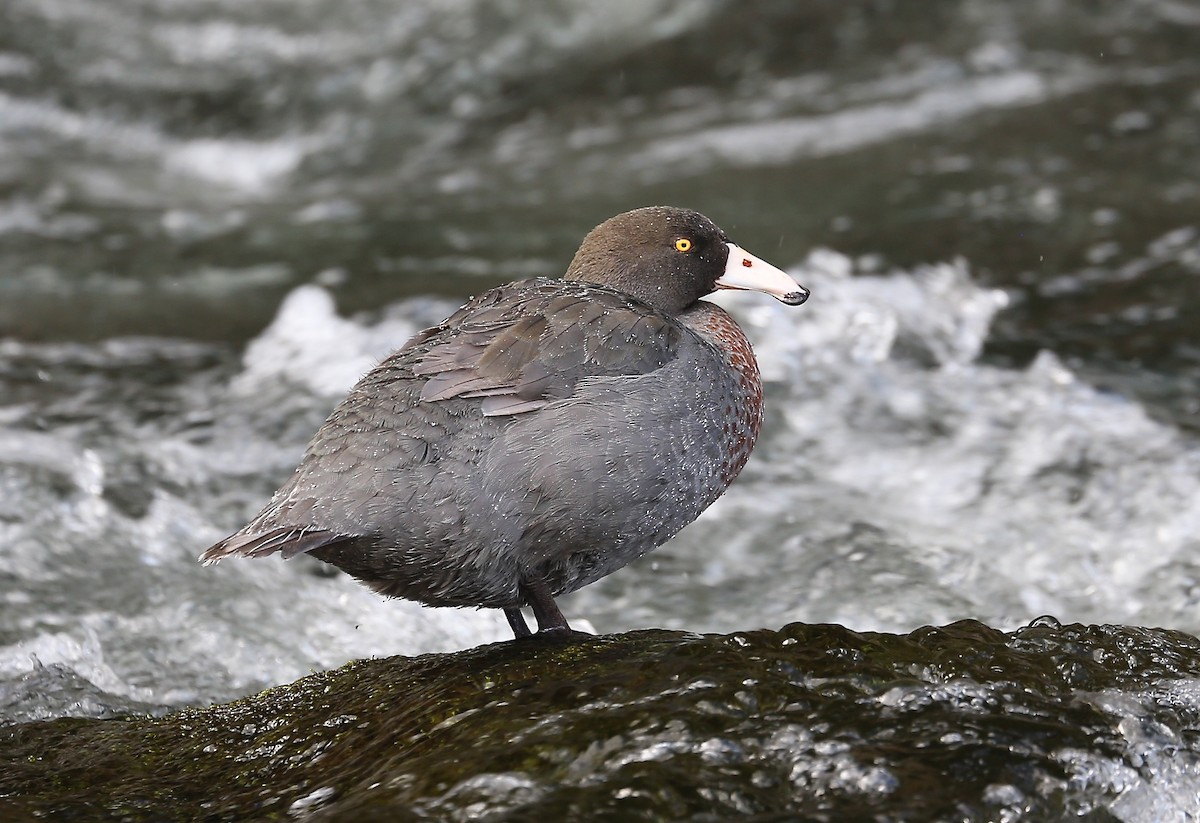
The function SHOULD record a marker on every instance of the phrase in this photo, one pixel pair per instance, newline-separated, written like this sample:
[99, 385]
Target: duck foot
[549, 618]
[516, 621]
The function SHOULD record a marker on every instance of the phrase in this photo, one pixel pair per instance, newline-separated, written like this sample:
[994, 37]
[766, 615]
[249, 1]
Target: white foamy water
[1159, 777]
[899, 482]
[902, 482]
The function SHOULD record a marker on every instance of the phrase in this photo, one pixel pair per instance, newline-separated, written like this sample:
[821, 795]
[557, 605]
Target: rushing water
[214, 216]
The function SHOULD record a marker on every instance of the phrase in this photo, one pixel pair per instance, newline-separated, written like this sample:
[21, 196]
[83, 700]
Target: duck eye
[683, 244]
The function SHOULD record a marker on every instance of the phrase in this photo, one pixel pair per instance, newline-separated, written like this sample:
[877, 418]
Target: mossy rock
[808, 722]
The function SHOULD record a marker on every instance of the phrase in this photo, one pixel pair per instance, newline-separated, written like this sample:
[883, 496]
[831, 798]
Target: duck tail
[287, 540]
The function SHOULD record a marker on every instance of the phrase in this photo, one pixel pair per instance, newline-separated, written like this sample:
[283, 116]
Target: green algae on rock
[813, 721]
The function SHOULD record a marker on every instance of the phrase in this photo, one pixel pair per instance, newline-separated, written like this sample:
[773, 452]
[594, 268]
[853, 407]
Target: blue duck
[544, 435]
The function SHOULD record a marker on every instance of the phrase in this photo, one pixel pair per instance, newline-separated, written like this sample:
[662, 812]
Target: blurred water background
[215, 215]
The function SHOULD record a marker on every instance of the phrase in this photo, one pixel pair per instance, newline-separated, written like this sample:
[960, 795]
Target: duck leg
[549, 618]
[516, 622]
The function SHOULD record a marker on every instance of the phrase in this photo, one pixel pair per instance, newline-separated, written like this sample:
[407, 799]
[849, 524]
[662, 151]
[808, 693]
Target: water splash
[900, 481]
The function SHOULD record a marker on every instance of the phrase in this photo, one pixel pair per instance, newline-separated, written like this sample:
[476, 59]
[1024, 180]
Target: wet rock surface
[809, 722]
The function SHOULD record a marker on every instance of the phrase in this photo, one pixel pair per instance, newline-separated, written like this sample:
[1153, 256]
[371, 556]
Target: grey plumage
[544, 435]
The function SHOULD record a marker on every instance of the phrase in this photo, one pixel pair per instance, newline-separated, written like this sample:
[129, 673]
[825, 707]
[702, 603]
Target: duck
[544, 435]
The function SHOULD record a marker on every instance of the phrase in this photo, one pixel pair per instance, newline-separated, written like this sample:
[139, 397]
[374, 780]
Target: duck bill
[746, 272]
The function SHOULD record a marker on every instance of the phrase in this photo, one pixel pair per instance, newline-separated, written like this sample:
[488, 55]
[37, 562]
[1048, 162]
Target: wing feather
[519, 350]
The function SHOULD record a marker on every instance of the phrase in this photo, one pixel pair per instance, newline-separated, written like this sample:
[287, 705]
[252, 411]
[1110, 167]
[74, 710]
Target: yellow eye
[683, 244]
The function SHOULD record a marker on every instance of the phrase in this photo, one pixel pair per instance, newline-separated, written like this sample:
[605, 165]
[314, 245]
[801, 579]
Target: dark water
[214, 216]
[176, 170]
